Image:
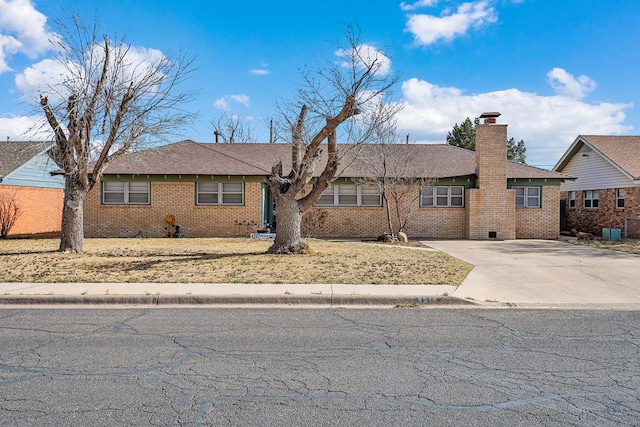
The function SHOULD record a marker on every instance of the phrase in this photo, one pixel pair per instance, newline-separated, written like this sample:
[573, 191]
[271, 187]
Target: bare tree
[342, 95]
[395, 174]
[232, 129]
[113, 99]
[9, 213]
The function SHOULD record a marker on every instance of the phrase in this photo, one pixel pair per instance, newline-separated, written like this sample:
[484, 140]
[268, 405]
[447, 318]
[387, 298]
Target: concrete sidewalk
[213, 294]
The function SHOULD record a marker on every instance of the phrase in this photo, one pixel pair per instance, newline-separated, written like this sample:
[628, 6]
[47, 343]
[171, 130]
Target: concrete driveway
[543, 272]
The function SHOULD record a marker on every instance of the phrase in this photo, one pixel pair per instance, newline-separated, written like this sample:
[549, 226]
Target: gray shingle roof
[14, 154]
[192, 158]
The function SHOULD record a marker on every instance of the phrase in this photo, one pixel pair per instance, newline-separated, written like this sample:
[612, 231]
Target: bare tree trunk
[288, 239]
[389, 220]
[72, 229]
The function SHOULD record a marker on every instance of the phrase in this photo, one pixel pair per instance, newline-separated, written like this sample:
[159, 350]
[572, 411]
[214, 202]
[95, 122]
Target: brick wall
[543, 222]
[368, 222]
[178, 199]
[41, 209]
[491, 205]
[607, 215]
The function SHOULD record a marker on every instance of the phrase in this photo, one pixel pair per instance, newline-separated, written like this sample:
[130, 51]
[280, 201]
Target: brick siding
[543, 222]
[607, 215]
[178, 199]
[367, 222]
[491, 205]
[40, 209]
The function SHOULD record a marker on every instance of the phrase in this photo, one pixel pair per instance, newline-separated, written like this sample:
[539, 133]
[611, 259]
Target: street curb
[158, 300]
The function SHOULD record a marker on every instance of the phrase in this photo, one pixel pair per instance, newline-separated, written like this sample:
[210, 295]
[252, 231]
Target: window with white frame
[219, 193]
[125, 193]
[527, 197]
[572, 199]
[442, 197]
[620, 198]
[350, 195]
[590, 199]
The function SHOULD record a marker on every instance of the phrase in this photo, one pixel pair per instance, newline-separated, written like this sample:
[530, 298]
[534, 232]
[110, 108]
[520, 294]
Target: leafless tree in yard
[337, 101]
[9, 213]
[112, 98]
[393, 171]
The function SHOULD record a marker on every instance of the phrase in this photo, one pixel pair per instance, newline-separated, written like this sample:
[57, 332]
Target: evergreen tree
[516, 151]
[464, 136]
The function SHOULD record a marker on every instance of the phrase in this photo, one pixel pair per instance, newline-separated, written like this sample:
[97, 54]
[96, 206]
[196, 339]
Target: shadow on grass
[53, 251]
[182, 258]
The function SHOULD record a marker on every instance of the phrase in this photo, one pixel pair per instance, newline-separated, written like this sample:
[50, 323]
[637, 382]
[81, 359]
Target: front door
[268, 208]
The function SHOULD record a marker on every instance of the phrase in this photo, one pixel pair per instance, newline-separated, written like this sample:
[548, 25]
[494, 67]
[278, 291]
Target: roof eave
[568, 154]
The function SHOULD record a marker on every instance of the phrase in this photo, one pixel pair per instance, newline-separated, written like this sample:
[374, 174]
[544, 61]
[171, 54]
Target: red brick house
[25, 175]
[606, 193]
[221, 190]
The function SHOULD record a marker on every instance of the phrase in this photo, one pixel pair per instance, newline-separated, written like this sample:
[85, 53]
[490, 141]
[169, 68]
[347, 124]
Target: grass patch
[215, 260]
[631, 246]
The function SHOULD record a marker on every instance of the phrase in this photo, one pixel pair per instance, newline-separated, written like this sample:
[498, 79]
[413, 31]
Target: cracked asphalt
[357, 367]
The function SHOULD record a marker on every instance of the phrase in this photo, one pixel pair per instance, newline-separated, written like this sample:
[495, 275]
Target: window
[347, 195]
[442, 197]
[620, 198]
[125, 193]
[370, 196]
[350, 195]
[527, 197]
[590, 199]
[219, 193]
[572, 199]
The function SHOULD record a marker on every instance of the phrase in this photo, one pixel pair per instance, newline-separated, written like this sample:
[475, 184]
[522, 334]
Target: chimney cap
[490, 115]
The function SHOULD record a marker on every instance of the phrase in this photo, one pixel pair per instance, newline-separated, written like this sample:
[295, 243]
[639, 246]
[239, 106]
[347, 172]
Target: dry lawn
[225, 261]
[629, 246]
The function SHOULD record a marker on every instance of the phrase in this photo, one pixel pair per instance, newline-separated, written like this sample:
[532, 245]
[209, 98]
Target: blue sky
[554, 69]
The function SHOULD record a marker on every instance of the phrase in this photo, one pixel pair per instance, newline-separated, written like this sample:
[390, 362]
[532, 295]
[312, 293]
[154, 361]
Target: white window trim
[619, 198]
[590, 199]
[335, 191]
[220, 192]
[434, 196]
[126, 194]
[527, 196]
[572, 199]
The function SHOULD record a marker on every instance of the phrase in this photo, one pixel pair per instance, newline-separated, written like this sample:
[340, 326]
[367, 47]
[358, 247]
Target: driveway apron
[545, 272]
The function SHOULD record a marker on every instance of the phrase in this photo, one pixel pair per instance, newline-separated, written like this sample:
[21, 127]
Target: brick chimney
[491, 207]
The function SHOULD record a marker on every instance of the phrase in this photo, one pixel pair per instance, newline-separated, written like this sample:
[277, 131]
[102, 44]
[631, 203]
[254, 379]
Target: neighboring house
[25, 174]
[221, 190]
[607, 188]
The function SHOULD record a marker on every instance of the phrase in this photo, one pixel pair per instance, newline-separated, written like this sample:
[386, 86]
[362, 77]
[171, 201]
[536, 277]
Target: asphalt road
[285, 367]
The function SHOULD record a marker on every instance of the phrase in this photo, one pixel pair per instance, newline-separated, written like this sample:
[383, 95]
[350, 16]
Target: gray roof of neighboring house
[192, 158]
[14, 154]
[622, 151]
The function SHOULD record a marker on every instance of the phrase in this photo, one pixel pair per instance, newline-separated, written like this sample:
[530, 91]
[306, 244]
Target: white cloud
[223, 103]
[263, 70]
[567, 84]
[22, 30]
[366, 54]
[38, 78]
[46, 76]
[429, 29]
[418, 4]
[24, 128]
[241, 99]
[260, 72]
[547, 124]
